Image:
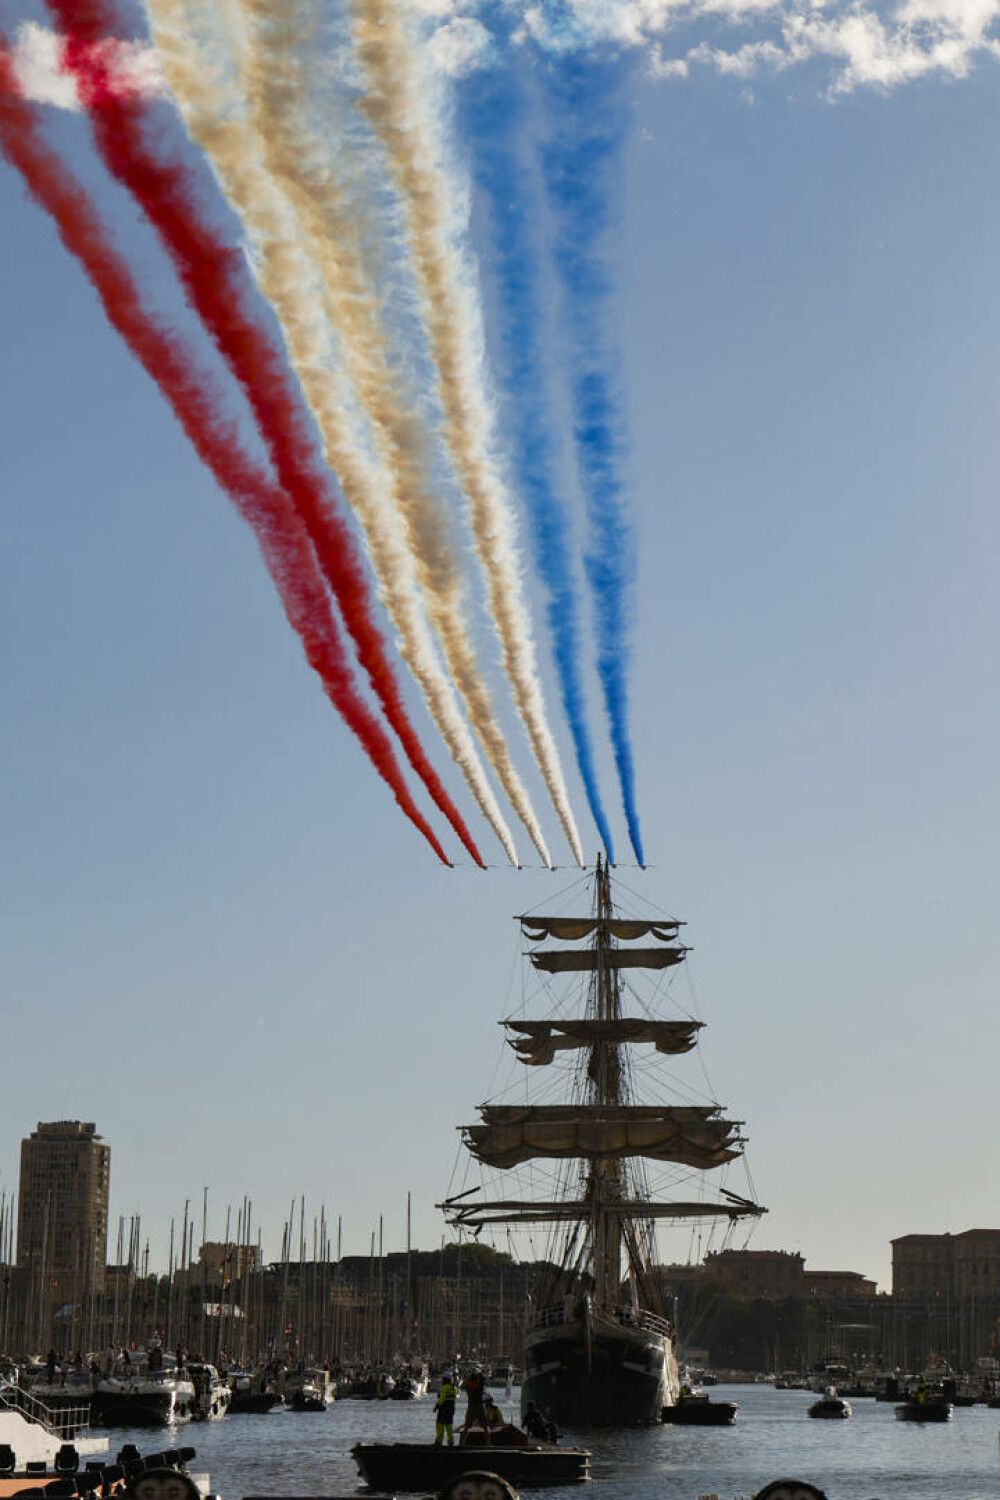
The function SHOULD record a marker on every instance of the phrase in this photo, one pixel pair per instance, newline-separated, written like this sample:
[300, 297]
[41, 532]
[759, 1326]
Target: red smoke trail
[166, 357]
[214, 274]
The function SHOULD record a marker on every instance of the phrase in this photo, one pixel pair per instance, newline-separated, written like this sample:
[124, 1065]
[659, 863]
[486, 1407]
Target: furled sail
[541, 1040]
[532, 1211]
[692, 1135]
[571, 929]
[564, 960]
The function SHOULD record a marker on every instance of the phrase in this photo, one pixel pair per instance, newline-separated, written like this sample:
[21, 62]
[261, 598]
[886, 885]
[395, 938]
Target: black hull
[617, 1376]
[241, 1406]
[700, 1413]
[924, 1411]
[131, 1410]
[394, 1467]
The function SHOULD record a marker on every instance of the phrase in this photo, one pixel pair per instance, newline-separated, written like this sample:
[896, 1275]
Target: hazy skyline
[224, 946]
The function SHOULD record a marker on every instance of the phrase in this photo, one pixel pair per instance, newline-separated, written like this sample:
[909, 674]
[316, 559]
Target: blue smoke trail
[581, 163]
[493, 114]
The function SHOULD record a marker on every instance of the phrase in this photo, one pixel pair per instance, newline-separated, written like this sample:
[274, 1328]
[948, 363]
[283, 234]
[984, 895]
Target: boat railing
[629, 1317]
[654, 1322]
[131, 1374]
[552, 1317]
[60, 1421]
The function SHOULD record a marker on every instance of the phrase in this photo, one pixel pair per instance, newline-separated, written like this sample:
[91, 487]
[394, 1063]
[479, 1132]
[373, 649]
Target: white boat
[308, 1385]
[144, 1392]
[211, 1393]
[35, 1433]
[831, 1405]
[63, 1389]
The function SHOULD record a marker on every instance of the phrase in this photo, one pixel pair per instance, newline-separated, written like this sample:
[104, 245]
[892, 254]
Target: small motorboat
[925, 1409]
[307, 1398]
[251, 1394]
[831, 1405]
[211, 1393]
[694, 1409]
[426, 1467]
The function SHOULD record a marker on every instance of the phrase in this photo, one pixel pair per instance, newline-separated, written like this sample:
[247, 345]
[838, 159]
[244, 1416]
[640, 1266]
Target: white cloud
[37, 67]
[460, 46]
[132, 67]
[864, 44]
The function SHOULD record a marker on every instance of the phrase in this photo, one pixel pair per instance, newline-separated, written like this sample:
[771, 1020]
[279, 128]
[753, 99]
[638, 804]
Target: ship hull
[394, 1467]
[116, 1405]
[599, 1374]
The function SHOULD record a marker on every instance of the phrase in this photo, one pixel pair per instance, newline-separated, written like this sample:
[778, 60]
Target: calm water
[872, 1456]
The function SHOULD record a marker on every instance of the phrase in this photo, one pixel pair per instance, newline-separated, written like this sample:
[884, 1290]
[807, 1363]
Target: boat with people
[250, 1394]
[306, 1398]
[368, 1385]
[925, 1406]
[57, 1382]
[144, 1389]
[411, 1382]
[428, 1467]
[831, 1405]
[212, 1396]
[309, 1388]
[600, 1346]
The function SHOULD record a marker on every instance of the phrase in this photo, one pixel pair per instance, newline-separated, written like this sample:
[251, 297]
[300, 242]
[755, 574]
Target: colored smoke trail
[129, 67]
[494, 113]
[199, 408]
[581, 161]
[212, 111]
[334, 227]
[397, 109]
[217, 283]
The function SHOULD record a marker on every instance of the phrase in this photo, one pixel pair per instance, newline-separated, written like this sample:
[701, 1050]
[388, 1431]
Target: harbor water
[870, 1456]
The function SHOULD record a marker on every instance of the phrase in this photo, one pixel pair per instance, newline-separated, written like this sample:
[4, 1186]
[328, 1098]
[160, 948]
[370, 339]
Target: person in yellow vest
[494, 1416]
[444, 1410]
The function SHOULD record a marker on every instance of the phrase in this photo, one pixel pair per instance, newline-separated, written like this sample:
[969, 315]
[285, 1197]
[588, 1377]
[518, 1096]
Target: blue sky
[223, 943]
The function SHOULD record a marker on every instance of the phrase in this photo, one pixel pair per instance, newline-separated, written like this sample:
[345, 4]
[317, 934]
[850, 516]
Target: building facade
[841, 1284]
[62, 1215]
[758, 1273]
[223, 1261]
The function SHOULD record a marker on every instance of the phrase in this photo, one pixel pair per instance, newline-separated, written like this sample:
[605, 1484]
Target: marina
[871, 1457]
[619, 464]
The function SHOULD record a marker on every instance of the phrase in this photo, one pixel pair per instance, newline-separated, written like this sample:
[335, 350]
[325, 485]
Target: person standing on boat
[474, 1385]
[533, 1422]
[444, 1410]
[494, 1416]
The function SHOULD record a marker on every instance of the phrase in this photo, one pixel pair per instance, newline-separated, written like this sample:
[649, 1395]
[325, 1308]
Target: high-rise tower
[62, 1214]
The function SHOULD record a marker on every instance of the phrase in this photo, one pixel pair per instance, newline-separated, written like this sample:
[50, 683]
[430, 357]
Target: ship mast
[604, 1177]
[603, 1127]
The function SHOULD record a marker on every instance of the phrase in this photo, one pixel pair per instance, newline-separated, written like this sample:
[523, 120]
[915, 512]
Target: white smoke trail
[397, 107]
[129, 67]
[332, 229]
[211, 108]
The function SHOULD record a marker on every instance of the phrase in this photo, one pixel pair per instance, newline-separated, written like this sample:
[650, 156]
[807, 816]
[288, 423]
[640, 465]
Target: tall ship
[603, 1167]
